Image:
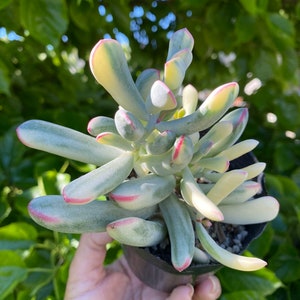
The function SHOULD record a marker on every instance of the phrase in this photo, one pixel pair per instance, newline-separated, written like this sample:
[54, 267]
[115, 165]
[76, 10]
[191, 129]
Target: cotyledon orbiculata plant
[159, 175]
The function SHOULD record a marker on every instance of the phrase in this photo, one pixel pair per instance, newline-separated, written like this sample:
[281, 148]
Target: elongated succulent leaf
[239, 149]
[254, 211]
[128, 126]
[218, 164]
[145, 81]
[239, 119]
[143, 192]
[180, 39]
[55, 214]
[181, 232]
[65, 142]
[114, 140]
[101, 124]
[241, 194]
[171, 162]
[109, 66]
[226, 184]
[160, 142]
[254, 170]
[176, 67]
[137, 232]
[216, 134]
[189, 99]
[192, 194]
[209, 112]
[225, 257]
[99, 181]
[161, 98]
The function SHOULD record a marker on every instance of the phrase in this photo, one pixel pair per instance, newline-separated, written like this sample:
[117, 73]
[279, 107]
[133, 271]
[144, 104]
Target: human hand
[90, 280]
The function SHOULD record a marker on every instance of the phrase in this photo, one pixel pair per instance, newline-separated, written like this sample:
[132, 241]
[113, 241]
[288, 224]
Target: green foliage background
[44, 74]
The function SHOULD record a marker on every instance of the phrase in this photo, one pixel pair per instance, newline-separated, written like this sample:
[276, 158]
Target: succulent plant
[162, 162]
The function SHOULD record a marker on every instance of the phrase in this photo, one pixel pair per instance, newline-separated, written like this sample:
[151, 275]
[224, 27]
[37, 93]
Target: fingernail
[191, 290]
[213, 285]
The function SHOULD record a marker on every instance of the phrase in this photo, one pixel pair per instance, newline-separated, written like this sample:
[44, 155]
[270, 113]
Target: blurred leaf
[290, 63]
[265, 65]
[286, 262]
[245, 28]
[263, 281]
[245, 295]
[283, 156]
[10, 277]
[10, 150]
[45, 20]
[4, 3]
[281, 23]
[5, 208]
[250, 6]
[17, 236]
[4, 78]
[11, 258]
[52, 182]
[261, 246]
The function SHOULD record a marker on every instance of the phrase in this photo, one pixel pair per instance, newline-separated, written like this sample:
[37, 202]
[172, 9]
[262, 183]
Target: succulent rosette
[162, 177]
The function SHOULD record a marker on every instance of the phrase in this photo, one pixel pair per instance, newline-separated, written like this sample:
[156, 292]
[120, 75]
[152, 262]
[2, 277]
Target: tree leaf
[4, 78]
[245, 295]
[17, 235]
[45, 20]
[250, 6]
[10, 277]
[263, 281]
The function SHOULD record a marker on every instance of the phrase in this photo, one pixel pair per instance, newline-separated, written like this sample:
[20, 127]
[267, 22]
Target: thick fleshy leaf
[109, 66]
[193, 195]
[190, 99]
[181, 232]
[172, 161]
[200, 256]
[209, 112]
[101, 124]
[161, 98]
[145, 81]
[239, 149]
[180, 39]
[143, 192]
[218, 164]
[160, 142]
[254, 170]
[55, 214]
[99, 181]
[241, 194]
[128, 126]
[182, 151]
[239, 119]
[214, 136]
[254, 211]
[175, 68]
[227, 183]
[65, 142]
[114, 140]
[225, 257]
[137, 232]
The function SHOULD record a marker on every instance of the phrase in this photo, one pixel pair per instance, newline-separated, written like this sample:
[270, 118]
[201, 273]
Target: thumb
[89, 256]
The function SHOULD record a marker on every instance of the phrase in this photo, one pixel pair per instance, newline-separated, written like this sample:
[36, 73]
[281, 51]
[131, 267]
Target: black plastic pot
[160, 275]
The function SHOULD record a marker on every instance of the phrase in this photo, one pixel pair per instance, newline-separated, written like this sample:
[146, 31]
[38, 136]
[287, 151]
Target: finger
[89, 258]
[208, 289]
[183, 292]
